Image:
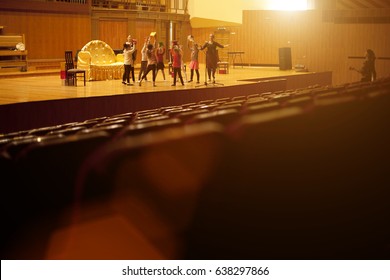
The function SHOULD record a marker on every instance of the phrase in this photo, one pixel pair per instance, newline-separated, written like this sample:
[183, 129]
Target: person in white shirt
[144, 60]
[128, 51]
[132, 42]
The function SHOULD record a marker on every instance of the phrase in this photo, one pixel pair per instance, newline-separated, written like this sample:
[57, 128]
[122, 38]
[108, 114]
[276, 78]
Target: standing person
[144, 60]
[132, 43]
[151, 61]
[194, 64]
[160, 59]
[368, 71]
[176, 55]
[212, 56]
[128, 51]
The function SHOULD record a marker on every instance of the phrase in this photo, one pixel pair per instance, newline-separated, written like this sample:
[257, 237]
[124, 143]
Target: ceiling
[362, 4]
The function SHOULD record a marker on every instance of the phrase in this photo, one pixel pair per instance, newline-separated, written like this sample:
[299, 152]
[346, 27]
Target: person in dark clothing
[212, 57]
[160, 52]
[368, 71]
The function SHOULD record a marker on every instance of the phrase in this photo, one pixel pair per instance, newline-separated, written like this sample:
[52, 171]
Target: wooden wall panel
[181, 32]
[144, 27]
[114, 32]
[48, 35]
[321, 46]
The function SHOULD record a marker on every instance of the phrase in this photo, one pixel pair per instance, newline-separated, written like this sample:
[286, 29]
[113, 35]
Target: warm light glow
[232, 12]
[288, 5]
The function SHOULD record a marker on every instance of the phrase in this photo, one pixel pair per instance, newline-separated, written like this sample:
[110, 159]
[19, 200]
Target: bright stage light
[287, 5]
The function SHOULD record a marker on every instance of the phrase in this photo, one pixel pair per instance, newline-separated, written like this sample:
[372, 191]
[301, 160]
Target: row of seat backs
[302, 184]
[297, 179]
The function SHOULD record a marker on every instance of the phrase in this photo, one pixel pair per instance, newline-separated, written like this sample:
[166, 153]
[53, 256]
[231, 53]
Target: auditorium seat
[234, 102]
[223, 116]
[165, 110]
[222, 100]
[45, 183]
[302, 101]
[239, 98]
[208, 101]
[175, 112]
[147, 112]
[189, 115]
[67, 130]
[109, 237]
[113, 129]
[42, 130]
[15, 148]
[188, 104]
[126, 117]
[282, 98]
[92, 122]
[262, 107]
[298, 174]
[144, 127]
[254, 95]
[209, 107]
[256, 100]
[230, 105]
[148, 116]
[113, 121]
[300, 185]
[153, 179]
[151, 118]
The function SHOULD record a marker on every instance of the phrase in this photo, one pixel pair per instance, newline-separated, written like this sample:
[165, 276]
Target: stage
[28, 101]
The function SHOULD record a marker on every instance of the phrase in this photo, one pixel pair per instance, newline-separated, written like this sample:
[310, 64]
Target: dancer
[212, 56]
[144, 60]
[152, 60]
[132, 43]
[160, 59]
[194, 64]
[128, 51]
[176, 55]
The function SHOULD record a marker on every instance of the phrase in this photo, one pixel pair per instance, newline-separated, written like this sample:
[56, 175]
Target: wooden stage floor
[41, 85]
